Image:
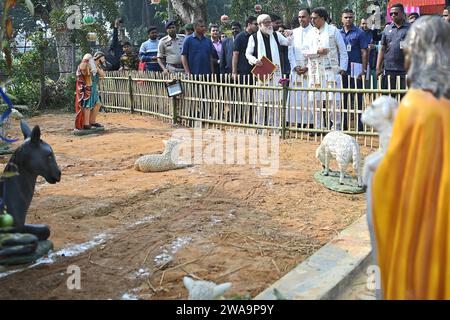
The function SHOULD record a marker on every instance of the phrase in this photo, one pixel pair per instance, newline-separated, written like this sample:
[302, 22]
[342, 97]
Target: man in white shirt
[299, 112]
[266, 42]
[327, 63]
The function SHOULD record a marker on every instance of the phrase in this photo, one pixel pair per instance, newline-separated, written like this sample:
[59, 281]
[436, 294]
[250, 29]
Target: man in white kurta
[327, 63]
[267, 44]
[300, 111]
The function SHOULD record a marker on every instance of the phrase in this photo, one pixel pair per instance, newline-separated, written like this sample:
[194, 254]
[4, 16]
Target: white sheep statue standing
[161, 162]
[204, 290]
[342, 147]
[380, 115]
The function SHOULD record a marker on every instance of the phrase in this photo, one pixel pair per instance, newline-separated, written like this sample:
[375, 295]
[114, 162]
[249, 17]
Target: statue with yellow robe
[409, 196]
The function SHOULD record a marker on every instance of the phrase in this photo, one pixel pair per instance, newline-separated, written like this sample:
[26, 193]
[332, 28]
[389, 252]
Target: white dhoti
[269, 101]
[300, 107]
[328, 103]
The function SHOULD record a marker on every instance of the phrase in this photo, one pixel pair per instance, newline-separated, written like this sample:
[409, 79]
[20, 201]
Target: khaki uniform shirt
[170, 50]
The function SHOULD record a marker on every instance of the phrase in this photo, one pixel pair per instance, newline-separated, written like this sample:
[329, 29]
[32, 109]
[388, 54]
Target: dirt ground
[224, 223]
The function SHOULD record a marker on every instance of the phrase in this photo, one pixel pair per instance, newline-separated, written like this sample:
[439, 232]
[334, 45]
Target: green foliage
[59, 94]
[286, 9]
[241, 9]
[25, 83]
[139, 15]
[216, 8]
[161, 11]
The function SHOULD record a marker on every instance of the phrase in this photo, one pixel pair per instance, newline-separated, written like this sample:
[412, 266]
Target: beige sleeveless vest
[324, 68]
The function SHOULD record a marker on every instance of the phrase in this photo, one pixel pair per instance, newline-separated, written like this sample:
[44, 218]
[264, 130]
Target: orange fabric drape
[411, 202]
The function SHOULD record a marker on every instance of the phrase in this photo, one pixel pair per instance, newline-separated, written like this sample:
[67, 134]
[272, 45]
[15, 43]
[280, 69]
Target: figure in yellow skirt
[409, 197]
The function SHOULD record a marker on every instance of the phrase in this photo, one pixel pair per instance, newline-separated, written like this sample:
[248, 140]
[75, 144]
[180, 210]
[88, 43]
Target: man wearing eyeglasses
[327, 62]
[445, 14]
[241, 68]
[267, 43]
[391, 51]
[240, 62]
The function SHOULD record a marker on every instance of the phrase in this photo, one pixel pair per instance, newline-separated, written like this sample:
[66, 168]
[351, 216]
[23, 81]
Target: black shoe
[96, 125]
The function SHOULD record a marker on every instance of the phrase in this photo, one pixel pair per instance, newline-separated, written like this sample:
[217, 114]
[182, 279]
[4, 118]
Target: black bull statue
[32, 159]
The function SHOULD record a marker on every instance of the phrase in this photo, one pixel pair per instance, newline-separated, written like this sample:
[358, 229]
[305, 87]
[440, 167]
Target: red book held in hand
[265, 71]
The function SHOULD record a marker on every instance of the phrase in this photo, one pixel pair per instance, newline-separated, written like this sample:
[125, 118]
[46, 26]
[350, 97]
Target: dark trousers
[351, 103]
[390, 78]
[200, 108]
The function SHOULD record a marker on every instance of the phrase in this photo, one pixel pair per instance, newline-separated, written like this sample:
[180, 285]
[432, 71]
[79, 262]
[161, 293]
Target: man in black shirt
[391, 52]
[116, 48]
[240, 62]
[240, 66]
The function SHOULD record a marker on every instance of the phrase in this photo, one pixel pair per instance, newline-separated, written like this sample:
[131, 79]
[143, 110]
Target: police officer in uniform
[169, 50]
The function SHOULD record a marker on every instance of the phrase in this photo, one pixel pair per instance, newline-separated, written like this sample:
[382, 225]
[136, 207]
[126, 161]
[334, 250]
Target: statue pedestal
[331, 182]
[5, 149]
[42, 250]
[88, 132]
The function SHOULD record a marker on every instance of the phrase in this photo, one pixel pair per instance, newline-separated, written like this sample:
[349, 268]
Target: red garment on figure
[83, 93]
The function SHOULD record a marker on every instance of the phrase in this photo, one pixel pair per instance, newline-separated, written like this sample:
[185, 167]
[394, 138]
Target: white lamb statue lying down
[161, 162]
[344, 149]
[380, 116]
[204, 290]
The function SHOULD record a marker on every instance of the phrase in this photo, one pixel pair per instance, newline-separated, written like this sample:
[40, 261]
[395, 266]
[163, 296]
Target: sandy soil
[224, 223]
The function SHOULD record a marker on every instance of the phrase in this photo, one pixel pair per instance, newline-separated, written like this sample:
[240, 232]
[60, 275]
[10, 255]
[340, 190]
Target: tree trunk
[64, 54]
[63, 46]
[191, 10]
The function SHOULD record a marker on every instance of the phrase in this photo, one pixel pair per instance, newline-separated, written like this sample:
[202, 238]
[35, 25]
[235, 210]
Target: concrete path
[331, 271]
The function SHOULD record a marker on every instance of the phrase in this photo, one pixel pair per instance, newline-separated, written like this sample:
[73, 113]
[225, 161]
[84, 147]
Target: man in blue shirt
[356, 44]
[149, 51]
[197, 58]
[197, 55]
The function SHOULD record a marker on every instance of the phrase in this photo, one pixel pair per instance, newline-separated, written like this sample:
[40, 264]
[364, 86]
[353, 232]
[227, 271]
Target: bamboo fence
[293, 110]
